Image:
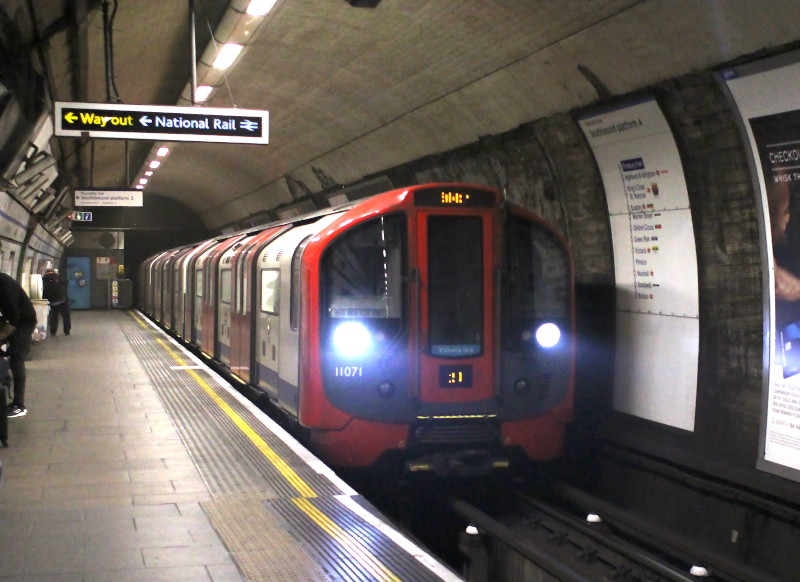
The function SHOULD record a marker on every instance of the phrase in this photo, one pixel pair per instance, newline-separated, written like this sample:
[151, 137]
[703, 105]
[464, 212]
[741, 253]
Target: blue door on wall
[79, 288]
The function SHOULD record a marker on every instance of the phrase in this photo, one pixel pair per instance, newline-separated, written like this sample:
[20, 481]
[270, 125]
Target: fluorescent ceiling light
[154, 164]
[227, 54]
[202, 93]
[148, 173]
[139, 187]
[142, 181]
[162, 151]
[260, 7]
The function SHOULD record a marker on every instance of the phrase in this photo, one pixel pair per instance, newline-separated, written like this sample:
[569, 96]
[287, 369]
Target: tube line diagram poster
[655, 262]
[765, 94]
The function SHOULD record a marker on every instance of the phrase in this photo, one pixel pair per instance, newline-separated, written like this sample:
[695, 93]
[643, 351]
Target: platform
[137, 463]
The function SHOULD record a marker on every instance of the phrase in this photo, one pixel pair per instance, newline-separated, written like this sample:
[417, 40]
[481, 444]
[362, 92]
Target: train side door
[225, 298]
[207, 337]
[239, 307]
[243, 320]
[268, 312]
[194, 298]
[456, 333]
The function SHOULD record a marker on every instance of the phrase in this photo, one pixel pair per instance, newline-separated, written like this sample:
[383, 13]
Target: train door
[199, 297]
[194, 290]
[268, 312]
[207, 340]
[242, 322]
[79, 287]
[168, 288]
[457, 302]
[179, 288]
[227, 281]
[153, 287]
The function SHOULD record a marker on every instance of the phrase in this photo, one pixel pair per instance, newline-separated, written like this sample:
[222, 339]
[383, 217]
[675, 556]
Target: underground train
[431, 325]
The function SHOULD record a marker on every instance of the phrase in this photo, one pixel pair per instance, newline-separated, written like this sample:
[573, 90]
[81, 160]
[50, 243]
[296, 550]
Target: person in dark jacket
[19, 322]
[54, 289]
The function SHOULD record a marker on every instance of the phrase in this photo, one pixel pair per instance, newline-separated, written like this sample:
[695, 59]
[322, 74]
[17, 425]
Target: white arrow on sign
[144, 120]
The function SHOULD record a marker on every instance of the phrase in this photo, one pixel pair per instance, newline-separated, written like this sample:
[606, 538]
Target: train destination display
[655, 263]
[153, 122]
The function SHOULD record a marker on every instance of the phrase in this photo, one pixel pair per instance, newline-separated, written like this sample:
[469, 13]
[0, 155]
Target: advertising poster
[765, 95]
[655, 263]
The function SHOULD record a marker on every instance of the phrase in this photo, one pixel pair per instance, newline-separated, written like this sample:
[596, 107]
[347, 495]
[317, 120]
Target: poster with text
[655, 263]
[765, 95]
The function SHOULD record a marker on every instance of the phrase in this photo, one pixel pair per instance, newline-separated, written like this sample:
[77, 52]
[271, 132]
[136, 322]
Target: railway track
[529, 539]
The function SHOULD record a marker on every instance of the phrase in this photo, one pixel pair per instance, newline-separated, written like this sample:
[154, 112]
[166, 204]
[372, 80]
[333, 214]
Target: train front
[440, 331]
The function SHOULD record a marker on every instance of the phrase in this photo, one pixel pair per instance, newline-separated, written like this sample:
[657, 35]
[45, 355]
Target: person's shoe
[15, 411]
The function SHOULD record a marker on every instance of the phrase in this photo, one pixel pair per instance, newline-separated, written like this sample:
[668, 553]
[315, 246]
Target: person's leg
[52, 319]
[20, 343]
[66, 317]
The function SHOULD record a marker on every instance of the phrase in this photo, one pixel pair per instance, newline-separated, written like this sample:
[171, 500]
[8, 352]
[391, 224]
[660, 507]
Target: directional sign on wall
[108, 198]
[154, 122]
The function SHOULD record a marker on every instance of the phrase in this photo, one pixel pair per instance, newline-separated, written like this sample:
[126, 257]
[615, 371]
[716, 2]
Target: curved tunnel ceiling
[354, 91]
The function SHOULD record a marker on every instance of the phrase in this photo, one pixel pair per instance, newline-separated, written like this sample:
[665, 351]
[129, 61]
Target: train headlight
[352, 339]
[548, 335]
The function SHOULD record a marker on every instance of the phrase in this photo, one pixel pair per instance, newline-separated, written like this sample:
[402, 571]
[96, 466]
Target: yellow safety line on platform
[354, 547]
[291, 476]
[297, 482]
[351, 544]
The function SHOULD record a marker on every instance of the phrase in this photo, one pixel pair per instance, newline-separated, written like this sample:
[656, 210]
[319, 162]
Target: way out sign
[153, 122]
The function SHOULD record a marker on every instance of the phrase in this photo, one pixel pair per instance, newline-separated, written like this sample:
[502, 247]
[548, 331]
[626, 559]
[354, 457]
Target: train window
[363, 287]
[225, 286]
[455, 285]
[270, 287]
[536, 287]
[365, 268]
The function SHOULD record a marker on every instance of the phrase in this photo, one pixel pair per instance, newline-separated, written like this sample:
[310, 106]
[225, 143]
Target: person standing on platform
[19, 322]
[54, 289]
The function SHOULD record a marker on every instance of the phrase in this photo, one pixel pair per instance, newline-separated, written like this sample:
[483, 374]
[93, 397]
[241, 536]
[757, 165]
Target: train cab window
[536, 287]
[362, 279]
[455, 285]
[270, 287]
[225, 286]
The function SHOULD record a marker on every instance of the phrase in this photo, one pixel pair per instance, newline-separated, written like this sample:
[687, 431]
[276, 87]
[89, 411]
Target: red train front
[432, 324]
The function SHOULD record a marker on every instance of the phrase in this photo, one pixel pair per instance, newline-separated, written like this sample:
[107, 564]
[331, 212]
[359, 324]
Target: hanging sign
[165, 123]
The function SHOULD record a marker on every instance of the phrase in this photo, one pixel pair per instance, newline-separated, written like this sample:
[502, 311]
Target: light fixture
[139, 187]
[202, 93]
[43, 202]
[162, 151]
[46, 161]
[154, 164]
[227, 55]
[142, 181]
[260, 7]
[148, 173]
[32, 188]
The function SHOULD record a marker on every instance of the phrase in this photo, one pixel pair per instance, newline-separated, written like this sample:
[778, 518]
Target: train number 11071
[348, 371]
